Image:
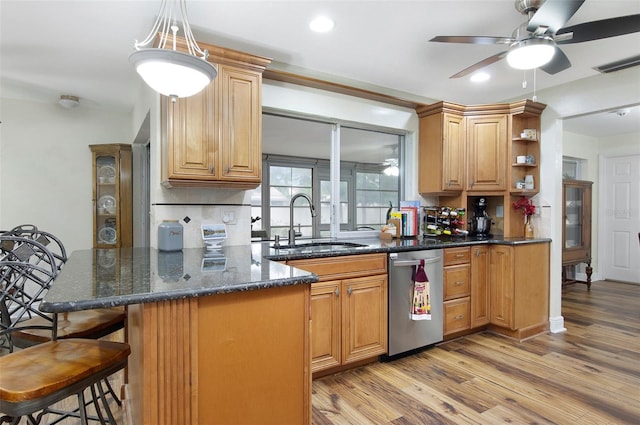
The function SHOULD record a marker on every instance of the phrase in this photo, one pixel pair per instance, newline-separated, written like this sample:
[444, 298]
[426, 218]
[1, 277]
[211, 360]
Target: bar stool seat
[37, 377]
[91, 324]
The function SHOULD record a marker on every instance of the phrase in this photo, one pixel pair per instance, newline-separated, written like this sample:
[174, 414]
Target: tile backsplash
[236, 217]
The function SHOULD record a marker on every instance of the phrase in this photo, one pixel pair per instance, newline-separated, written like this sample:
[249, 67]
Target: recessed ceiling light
[480, 77]
[321, 24]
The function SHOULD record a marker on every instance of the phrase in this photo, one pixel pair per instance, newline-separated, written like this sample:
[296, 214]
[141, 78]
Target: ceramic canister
[170, 236]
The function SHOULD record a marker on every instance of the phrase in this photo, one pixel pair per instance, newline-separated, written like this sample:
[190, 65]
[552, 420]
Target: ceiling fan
[535, 43]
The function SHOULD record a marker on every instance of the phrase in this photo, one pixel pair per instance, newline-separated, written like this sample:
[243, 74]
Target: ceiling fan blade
[485, 62]
[553, 14]
[558, 63]
[596, 30]
[473, 39]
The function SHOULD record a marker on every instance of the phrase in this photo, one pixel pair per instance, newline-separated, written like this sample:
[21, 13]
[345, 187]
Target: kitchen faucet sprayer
[292, 232]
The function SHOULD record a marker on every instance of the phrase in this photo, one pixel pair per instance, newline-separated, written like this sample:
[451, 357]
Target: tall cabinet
[112, 196]
[576, 231]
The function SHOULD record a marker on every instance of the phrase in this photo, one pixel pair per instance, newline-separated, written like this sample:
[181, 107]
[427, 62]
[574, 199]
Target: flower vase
[528, 227]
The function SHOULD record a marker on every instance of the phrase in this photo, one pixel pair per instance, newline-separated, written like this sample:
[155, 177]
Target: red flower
[525, 205]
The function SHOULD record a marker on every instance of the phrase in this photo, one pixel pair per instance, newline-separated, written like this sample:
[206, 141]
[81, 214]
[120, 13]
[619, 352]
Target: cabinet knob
[349, 291]
[212, 169]
[459, 317]
[459, 283]
[337, 291]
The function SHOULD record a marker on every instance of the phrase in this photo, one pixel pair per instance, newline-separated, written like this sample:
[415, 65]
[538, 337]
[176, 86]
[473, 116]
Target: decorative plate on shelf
[107, 171]
[107, 235]
[107, 202]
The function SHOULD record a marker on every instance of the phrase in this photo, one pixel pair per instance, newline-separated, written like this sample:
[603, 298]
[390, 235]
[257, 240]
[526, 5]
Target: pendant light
[170, 72]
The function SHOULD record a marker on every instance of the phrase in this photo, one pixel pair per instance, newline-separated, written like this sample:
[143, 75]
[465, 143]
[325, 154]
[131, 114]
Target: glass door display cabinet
[576, 232]
[112, 196]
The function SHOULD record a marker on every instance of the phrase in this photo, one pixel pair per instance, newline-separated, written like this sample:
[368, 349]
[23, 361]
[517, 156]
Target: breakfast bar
[216, 337]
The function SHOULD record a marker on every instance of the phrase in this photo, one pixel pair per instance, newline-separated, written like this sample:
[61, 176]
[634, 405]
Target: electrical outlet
[229, 217]
[499, 211]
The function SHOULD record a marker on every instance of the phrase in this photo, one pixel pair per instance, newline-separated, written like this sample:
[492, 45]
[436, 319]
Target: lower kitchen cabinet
[348, 309]
[480, 282]
[456, 290]
[520, 289]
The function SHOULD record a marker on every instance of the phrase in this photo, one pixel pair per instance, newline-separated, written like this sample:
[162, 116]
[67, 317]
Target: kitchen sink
[320, 246]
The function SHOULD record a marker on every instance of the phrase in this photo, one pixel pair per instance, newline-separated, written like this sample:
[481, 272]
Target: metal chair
[39, 376]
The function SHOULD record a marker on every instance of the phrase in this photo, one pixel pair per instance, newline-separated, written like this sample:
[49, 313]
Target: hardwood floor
[589, 374]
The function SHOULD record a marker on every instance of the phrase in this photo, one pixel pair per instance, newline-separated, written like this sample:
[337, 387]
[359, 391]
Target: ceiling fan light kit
[168, 71]
[531, 53]
[535, 44]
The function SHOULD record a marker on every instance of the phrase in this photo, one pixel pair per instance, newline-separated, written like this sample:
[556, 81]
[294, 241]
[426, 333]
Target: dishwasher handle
[406, 263]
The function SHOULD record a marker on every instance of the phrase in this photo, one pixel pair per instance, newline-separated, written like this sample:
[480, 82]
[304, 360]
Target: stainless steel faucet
[292, 232]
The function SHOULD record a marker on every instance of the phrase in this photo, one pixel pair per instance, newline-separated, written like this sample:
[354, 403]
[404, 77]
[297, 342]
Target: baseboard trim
[556, 325]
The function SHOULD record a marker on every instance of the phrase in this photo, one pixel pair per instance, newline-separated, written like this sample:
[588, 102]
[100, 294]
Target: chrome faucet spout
[292, 232]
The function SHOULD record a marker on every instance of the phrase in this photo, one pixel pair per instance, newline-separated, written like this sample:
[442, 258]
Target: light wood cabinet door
[487, 150]
[241, 125]
[191, 140]
[480, 282]
[502, 286]
[325, 325]
[442, 149]
[364, 318]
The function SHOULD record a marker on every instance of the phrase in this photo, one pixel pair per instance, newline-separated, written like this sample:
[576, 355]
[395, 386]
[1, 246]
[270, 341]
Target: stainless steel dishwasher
[406, 335]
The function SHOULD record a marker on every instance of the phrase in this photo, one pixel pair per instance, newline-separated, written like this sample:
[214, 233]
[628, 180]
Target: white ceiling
[81, 47]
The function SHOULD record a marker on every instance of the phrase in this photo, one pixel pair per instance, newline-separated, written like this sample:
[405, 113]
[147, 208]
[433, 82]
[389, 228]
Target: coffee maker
[480, 223]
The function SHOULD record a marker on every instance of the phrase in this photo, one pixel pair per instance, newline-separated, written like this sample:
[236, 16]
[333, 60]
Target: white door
[621, 218]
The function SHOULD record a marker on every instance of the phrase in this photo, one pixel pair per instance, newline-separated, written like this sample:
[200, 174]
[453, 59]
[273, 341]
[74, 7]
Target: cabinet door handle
[459, 317]
[212, 169]
[459, 283]
[337, 292]
[227, 172]
[349, 291]
[459, 255]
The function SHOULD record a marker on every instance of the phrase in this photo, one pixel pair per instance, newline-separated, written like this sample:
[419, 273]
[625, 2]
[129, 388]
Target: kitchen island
[216, 337]
[224, 336]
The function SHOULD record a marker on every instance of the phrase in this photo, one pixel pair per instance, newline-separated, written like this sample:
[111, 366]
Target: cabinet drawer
[456, 315]
[456, 281]
[453, 256]
[330, 268]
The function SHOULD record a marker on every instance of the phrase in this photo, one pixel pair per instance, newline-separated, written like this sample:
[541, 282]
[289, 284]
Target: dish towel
[421, 300]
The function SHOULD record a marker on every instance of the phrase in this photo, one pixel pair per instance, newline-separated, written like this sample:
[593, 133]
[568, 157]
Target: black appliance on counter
[480, 223]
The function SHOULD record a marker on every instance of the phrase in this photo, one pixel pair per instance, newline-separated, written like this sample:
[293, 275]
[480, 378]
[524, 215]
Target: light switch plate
[499, 211]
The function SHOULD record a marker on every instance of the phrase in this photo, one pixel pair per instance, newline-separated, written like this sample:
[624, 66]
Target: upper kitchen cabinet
[441, 165]
[487, 147]
[479, 148]
[112, 196]
[214, 138]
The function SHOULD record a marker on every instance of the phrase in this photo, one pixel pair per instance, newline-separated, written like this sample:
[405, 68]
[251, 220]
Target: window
[297, 159]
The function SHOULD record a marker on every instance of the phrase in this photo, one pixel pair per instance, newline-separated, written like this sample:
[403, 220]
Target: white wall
[45, 165]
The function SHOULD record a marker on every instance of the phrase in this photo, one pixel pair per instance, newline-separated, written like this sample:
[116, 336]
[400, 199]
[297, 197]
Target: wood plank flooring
[587, 375]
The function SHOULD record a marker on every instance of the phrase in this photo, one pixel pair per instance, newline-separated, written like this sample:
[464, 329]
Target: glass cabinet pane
[573, 217]
[106, 208]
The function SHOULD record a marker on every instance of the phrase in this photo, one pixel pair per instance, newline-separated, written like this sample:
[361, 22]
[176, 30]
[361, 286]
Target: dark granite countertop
[373, 245]
[97, 278]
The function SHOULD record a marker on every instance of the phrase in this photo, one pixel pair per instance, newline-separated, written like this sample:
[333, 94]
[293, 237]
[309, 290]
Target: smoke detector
[622, 112]
[68, 101]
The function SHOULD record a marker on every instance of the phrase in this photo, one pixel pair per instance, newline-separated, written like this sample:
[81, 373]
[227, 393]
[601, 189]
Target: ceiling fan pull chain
[534, 98]
[524, 80]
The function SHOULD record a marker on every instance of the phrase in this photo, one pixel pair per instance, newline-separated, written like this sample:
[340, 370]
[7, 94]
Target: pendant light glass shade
[531, 53]
[172, 73]
[168, 71]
